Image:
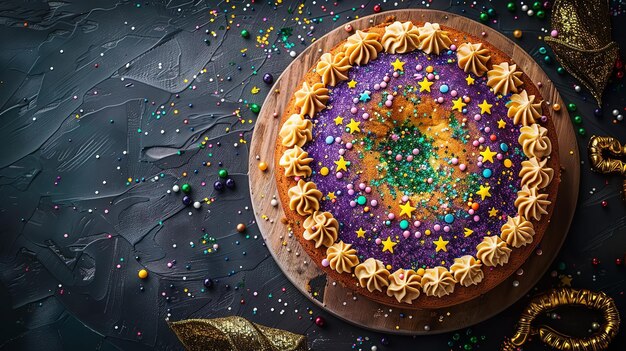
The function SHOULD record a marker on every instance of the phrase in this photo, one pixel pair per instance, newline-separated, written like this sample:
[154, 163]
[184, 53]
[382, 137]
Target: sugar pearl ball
[274, 202]
[292, 53]
[176, 188]
[197, 204]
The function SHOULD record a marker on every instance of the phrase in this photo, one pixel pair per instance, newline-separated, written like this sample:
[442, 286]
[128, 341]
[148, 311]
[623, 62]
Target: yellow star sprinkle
[406, 209]
[338, 120]
[398, 65]
[501, 124]
[488, 155]
[566, 280]
[331, 196]
[485, 107]
[388, 245]
[484, 192]
[255, 90]
[360, 233]
[467, 232]
[469, 80]
[493, 212]
[458, 104]
[352, 84]
[353, 126]
[341, 164]
[440, 244]
[425, 85]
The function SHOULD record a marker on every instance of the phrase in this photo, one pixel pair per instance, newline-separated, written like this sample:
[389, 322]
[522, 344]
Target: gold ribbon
[584, 46]
[599, 149]
[235, 334]
[563, 297]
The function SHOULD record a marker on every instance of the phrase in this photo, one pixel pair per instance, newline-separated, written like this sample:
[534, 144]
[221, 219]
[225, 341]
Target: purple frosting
[449, 189]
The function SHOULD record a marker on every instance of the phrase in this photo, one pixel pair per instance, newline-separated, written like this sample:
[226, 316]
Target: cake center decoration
[407, 156]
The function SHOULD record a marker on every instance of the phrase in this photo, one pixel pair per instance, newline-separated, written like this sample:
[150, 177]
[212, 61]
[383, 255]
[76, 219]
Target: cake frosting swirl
[535, 141]
[400, 37]
[333, 69]
[404, 285]
[432, 39]
[341, 257]
[493, 251]
[361, 47]
[304, 198]
[467, 270]
[517, 231]
[296, 131]
[523, 109]
[311, 98]
[531, 204]
[504, 78]
[535, 174]
[472, 58]
[321, 228]
[438, 282]
[372, 275]
[296, 161]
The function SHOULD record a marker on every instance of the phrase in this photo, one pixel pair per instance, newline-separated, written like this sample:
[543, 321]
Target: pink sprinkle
[437, 227]
[454, 93]
[446, 228]
[481, 140]
[406, 234]
[396, 74]
[398, 157]
[409, 158]
[430, 180]
[470, 211]
[368, 190]
[391, 216]
[476, 218]
[389, 97]
[401, 276]
[383, 85]
[405, 198]
[361, 186]
[339, 175]
[417, 224]
[462, 166]
[388, 103]
[487, 129]
[378, 241]
[417, 235]
[325, 263]
[440, 100]
[479, 164]
[416, 151]
[296, 178]
[386, 79]
[376, 86]
[419, 67]
[554, 33]
[365, 115]
[453, 47]
[355, 100]
[374, 203]
[430, 76]
[353, 110]
[352, 203]
[477, 117]
[454, 160]
[348, 146]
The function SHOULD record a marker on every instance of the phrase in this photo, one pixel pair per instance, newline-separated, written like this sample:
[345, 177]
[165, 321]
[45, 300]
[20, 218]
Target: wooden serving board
[343, 302]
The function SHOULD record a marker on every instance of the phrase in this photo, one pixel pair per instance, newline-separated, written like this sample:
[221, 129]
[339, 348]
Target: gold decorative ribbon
[235, 334]
[599, 149]
[563, 297]
[584, 46]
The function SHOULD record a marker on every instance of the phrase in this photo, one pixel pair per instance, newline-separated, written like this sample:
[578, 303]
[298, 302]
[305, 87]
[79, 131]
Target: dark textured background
[98, 119]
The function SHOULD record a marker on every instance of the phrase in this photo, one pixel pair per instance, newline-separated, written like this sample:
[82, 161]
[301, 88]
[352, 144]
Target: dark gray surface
[64, 117]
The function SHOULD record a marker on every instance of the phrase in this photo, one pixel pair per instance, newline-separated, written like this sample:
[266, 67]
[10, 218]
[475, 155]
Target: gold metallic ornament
[584, 46]
[600, 340]
[235, 334]
[600, 148]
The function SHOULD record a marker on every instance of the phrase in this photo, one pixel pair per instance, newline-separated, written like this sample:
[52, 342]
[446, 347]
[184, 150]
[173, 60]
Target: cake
[417, 164]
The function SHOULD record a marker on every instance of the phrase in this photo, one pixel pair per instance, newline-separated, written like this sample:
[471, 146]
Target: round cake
[417, 164]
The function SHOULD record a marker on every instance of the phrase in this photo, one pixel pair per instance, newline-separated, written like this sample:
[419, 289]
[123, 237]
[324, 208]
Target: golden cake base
[344, 302]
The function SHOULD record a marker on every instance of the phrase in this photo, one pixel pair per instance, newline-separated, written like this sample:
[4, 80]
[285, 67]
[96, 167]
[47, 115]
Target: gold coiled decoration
[600, 148]
[235, 334]
[564, 297]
